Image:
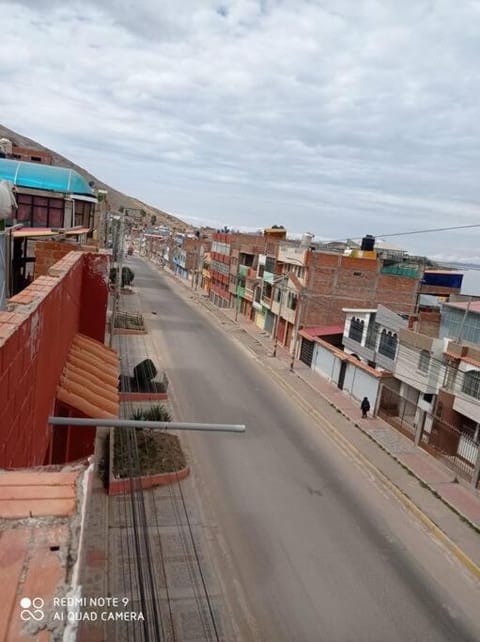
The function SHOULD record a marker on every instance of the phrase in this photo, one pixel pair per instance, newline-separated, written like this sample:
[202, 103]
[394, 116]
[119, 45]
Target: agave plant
[154, 413]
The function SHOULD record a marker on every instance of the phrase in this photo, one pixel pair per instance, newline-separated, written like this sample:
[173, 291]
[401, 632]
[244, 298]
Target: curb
[434, 491]
[143, 396]
[343, 442]
[123, 486]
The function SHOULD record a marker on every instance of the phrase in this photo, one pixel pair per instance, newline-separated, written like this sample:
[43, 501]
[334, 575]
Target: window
[471, 383]
[424, 361]
[40, 211]
[270, 264]
[356, 329]
[292, 301]
[388, 344]
[428, 397]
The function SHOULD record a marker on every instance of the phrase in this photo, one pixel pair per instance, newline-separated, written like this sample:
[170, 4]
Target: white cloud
[336, 116]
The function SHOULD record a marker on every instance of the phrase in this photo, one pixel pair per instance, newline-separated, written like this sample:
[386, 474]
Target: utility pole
[117, 255]
[296, 329]
[237, 299]
[282, 295]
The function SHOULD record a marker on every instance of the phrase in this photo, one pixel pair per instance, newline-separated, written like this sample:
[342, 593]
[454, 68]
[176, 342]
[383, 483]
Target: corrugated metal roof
[473, 306]
[46, 177]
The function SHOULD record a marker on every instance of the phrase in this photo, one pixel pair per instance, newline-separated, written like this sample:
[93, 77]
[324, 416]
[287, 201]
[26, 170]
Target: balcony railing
[400, 270]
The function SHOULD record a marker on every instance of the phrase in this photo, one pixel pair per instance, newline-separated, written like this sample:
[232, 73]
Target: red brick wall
[336, 282]
[34, 341]
[26, 154]
[47, 253]
[429, 323]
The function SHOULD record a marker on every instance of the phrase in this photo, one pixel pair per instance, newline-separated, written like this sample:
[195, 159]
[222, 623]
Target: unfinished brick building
[335, 281]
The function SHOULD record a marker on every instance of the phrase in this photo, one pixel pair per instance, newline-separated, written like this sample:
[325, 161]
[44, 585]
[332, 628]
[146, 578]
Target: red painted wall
[94, 296]
[34, 342]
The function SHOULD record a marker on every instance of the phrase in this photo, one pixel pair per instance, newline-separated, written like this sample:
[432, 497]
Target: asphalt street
[310, 548]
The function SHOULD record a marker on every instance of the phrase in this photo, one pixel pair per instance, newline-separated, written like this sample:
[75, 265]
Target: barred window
[356, 329]
[424, 361]
[471, 383]
[388, 344]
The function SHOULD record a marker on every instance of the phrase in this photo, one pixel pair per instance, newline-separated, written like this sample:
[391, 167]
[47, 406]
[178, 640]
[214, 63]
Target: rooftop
[473, 306]
[46, 177]
[37, 548]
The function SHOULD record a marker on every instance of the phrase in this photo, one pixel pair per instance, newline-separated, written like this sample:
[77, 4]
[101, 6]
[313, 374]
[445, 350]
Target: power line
[429, 230]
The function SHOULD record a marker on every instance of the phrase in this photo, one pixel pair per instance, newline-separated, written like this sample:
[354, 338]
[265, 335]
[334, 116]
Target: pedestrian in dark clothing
[365, 406]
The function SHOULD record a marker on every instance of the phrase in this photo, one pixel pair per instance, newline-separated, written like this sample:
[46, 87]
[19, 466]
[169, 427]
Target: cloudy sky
[339, 117]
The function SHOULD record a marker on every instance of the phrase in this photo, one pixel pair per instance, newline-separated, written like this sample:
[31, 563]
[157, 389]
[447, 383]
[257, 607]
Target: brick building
[31, 155]
[335, 281]
[232, 258]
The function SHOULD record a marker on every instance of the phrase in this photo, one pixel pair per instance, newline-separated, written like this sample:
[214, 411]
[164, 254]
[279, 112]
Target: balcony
[243, 270]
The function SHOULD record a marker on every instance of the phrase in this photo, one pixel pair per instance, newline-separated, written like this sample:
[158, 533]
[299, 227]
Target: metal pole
[113, 422]
[116, 233]
[237, 299]
[296, 329]
[282, 294]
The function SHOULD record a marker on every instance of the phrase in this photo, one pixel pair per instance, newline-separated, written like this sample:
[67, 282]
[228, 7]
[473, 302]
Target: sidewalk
[439, 478]
[449, 509]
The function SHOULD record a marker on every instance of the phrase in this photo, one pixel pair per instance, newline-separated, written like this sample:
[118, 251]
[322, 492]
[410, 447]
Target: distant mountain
[117, 200]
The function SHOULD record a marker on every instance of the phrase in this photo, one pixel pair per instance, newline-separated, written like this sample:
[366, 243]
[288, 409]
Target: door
[341, 374]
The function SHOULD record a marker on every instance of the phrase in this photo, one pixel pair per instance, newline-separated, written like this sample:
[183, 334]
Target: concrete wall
[35, 338]
[358, 381]
[361, 384]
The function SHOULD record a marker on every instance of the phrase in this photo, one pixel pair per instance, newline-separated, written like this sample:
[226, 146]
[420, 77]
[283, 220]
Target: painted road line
[344, 443]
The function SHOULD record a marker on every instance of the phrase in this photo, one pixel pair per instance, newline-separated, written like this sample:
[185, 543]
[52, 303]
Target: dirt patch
[158, 452]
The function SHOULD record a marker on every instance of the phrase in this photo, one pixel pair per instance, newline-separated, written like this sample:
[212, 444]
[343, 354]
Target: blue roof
[47, 177]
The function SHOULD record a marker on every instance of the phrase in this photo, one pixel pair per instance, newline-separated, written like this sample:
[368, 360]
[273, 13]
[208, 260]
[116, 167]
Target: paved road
[311, 549]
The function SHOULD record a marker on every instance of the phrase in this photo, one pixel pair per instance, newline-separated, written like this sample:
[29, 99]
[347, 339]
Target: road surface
[311, 549]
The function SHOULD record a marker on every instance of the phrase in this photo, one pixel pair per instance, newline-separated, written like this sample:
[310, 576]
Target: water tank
[368, 243]
[307, 239]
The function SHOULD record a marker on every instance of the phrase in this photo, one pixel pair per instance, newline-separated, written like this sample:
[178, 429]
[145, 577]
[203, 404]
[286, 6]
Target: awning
[33, 232]
[89, 381]
[321, 331]
[39, 232]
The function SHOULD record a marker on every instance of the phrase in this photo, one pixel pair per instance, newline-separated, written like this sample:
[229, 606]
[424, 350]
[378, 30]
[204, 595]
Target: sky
[336, 117]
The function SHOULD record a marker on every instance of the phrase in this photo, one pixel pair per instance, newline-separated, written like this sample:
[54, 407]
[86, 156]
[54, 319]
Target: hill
[117, 200]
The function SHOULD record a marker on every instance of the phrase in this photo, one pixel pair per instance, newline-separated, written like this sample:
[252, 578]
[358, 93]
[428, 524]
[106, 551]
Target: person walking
[365, 406]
